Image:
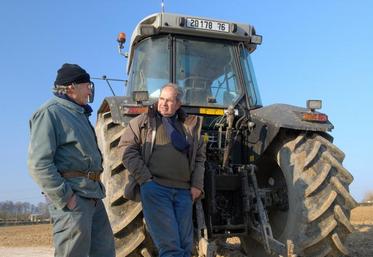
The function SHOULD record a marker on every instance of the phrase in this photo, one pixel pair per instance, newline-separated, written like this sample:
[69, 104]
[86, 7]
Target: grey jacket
[62, 139]
[137, 144]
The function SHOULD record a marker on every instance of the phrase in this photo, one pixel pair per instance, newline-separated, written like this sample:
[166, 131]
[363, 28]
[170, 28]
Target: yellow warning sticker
[211, 111]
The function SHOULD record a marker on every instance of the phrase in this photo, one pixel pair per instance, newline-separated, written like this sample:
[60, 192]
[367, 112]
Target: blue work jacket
[61, 140]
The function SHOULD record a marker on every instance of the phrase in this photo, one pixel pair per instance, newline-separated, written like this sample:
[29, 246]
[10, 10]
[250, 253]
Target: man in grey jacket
[164, 154]
[64, 160]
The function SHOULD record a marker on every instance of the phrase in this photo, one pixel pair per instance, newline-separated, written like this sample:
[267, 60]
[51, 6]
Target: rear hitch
[263, 231]
[206, 248]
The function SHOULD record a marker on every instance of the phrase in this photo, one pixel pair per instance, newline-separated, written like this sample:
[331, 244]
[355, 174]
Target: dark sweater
[169, 167]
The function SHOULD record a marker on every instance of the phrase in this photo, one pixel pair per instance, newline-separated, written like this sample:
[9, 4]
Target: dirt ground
[26, 241]
[360, 242]
[36, 240]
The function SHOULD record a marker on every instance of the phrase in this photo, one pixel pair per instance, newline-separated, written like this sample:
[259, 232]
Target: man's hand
[195, 192]
[71, 204]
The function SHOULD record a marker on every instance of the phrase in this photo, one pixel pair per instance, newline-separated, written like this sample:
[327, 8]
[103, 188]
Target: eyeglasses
[91, 86]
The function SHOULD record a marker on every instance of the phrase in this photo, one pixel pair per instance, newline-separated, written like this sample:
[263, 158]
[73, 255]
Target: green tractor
[273, 178]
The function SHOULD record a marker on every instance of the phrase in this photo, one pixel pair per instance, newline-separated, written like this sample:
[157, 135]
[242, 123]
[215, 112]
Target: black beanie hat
[71, 73]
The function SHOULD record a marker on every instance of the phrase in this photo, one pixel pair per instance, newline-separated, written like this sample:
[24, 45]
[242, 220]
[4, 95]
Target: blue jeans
[83, 231]
[168, 214]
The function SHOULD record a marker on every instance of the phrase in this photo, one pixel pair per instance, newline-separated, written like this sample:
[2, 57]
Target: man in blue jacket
[64, 160]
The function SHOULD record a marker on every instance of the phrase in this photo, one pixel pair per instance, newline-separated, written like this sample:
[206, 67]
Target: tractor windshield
[249, 77]
[150, 68]
[206, 70]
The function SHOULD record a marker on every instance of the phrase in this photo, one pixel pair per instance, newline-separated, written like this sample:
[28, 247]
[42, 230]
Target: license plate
[207, 25]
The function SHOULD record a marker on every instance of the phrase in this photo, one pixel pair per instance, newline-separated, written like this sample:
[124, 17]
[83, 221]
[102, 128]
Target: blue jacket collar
[68, 102]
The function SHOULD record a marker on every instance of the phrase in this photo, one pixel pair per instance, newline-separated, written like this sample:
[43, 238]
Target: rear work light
[311, 115]
[313, 105]
[256, 39]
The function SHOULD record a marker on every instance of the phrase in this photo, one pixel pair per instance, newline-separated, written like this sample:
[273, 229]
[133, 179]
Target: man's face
[167, 102]
[80, 93]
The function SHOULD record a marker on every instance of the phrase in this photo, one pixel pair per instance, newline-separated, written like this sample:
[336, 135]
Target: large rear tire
[310, 167]
[126, 219]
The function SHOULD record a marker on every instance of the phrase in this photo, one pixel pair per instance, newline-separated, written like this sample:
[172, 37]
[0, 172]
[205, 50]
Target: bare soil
[26, 251]
[360, 242]
[26, 241]
[26, 236]
[36, 240]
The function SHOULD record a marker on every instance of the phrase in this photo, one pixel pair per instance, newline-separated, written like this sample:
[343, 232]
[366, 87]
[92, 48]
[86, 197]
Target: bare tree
[21, 210]
[43, 209]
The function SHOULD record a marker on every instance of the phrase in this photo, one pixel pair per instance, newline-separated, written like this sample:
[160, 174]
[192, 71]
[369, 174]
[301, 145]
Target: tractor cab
[208, 59]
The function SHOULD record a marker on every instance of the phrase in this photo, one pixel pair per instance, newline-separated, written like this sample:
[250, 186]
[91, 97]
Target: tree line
[22, 211]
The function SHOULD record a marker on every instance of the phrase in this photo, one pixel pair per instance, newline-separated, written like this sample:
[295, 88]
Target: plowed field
[36, 240]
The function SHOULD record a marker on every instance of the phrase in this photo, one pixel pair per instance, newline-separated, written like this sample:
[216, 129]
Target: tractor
[274, 179]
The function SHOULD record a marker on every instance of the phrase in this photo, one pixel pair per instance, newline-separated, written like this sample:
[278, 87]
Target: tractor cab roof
[168, 23]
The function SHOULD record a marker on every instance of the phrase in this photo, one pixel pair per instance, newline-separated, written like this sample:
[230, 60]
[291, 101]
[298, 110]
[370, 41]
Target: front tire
[126, 219]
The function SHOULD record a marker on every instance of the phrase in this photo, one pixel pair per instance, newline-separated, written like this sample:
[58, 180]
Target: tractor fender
[270, 119]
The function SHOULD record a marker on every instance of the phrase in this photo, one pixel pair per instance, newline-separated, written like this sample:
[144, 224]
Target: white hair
[178, 90]
[60, 89]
